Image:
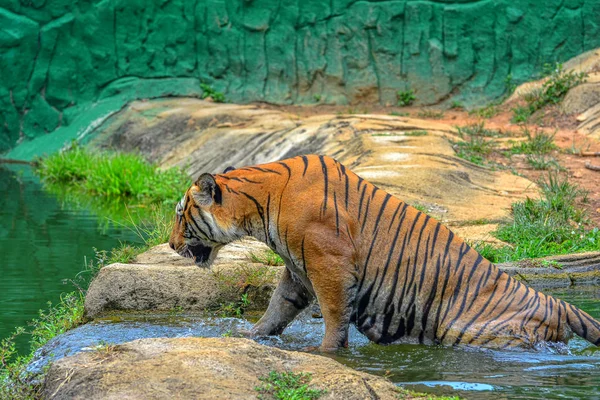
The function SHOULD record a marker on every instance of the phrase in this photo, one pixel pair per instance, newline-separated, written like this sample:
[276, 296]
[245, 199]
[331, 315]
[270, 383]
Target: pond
[44, 244]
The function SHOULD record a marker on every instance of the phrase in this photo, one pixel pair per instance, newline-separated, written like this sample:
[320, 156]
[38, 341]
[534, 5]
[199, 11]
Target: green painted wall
[60, 58]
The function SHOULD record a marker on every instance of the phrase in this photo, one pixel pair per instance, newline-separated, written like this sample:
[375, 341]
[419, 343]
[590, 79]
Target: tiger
[369, 259]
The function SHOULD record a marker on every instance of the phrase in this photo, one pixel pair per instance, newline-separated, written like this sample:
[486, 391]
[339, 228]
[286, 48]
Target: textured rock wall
[61, 56]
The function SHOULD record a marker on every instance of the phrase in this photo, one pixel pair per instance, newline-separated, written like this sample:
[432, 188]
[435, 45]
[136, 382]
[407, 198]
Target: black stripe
[337, 217]
[305, 159]
[362, 196]
[260, 210]
[366, 216]
[303, 258]
[325, 181]
[466, 327]
[429, 301]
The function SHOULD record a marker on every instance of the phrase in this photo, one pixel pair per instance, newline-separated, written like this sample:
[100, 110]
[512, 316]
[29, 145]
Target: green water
[44, 245]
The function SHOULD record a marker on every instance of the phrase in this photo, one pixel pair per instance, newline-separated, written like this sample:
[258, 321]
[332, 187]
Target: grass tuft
[15, 381]
[288, 386]
[553, 224]
[268, 257]
[553, 91]
[538, 142]
[405, 98]
[114, 175]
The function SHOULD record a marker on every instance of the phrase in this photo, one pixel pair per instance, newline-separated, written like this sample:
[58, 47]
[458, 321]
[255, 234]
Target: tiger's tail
[583, 324]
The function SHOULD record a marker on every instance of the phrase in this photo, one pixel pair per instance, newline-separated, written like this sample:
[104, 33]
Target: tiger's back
[373, 260]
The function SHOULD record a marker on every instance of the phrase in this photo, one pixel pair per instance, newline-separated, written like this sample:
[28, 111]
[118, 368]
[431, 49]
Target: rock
[581, 98]
[199, 368]
[161, 280]
[344, 52]
[199, 137]
[579, 269]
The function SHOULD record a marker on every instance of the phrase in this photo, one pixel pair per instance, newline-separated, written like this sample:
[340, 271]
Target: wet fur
[369, 259]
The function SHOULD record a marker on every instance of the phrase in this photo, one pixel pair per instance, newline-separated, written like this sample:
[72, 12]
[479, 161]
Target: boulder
[200, 368]
[410, 158]
[161, 280]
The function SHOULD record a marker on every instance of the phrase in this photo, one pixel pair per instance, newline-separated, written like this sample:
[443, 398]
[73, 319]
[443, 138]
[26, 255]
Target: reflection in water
[44, 243]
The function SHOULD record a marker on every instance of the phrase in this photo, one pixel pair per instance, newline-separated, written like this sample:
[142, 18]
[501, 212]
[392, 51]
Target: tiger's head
[202, 224]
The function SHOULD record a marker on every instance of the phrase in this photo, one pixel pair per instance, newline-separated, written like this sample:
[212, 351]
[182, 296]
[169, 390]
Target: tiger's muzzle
[198, 252]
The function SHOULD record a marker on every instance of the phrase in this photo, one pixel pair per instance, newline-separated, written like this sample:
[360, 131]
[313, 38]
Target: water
[43, 245]
[571, 372]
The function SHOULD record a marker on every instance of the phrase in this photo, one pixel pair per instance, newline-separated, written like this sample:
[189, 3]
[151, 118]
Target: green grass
[288, 386]
[406, 97]
[542, 162]
[15, 382]
[538, 142]
[416, 133]
[553, 91]
[477, 130]
[268, 257]
[489, 111]
[399, 114]
[208, 91]
[474, 149]
[553, 224]
[119, 179]
[430, 114]
[113, 175]
[457, 105]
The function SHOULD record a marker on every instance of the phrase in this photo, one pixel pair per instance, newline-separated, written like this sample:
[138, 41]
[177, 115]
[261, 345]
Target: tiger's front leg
[335, 289]
[287, 301]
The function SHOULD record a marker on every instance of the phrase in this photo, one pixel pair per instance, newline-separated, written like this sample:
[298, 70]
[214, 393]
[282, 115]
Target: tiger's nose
[171, 245]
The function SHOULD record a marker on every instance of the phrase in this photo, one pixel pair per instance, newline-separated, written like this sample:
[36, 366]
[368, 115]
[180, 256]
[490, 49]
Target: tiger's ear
[207, 192]
[230, 168]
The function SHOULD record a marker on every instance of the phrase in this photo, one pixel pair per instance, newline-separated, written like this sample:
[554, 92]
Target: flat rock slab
[557, 271]
[410, 158]
[162, 280]
[200, 368]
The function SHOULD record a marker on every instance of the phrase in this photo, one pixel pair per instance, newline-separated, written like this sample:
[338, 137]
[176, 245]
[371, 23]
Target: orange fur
[369, 259]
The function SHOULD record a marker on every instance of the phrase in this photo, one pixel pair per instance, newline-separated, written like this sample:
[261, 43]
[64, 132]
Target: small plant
[317, 98]
[431, 114]
[208, 91]
[288, 386]
[123, 254]
[489, 111]
[538, 142]
[553, 91]
[422, 208]
[457, 105]
[268, 257]
[510, 85]
[521, 114]
[234, 309]
[406, 98]
[552, 264]
[399, 114]
[416, 133]
[474, 149]
[477, 130]
[542, 163]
